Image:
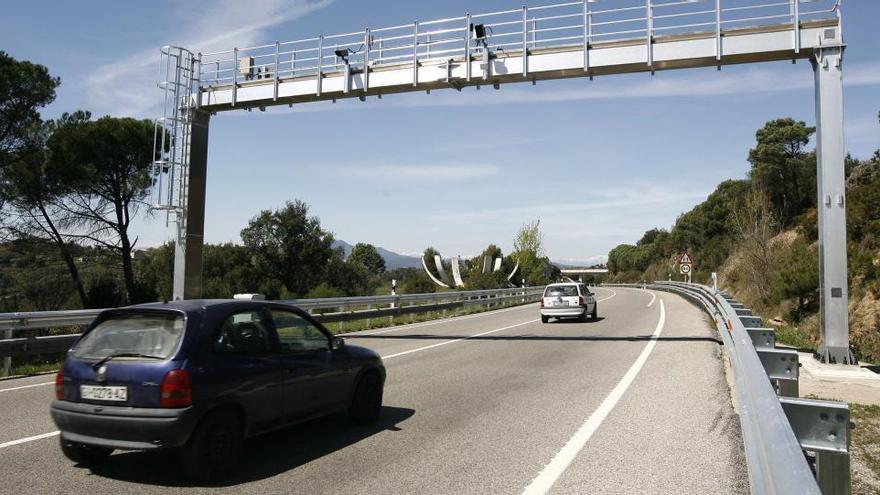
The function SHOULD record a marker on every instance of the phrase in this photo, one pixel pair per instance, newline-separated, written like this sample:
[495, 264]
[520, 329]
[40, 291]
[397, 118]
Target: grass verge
[865, 449]
[788, 335]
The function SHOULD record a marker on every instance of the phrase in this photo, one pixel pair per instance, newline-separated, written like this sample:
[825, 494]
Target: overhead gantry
[583, 38]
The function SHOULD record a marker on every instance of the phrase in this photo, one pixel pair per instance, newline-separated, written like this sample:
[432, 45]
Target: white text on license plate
[92, 392]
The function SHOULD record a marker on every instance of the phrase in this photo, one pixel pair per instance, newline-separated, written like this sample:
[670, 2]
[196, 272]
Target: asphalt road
[492, 403]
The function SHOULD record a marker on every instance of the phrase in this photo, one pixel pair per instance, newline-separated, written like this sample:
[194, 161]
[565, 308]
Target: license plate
[92, 392]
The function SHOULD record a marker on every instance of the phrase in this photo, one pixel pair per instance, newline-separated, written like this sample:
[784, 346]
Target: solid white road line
[552, 471]
[607, 298]
[28, 439]
[457, 340]
[26, 386]
[653, 298]
[454, 319]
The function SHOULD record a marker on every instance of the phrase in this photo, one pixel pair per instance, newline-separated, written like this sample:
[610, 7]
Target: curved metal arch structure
[456, 271]
[513, 273]
[438, 261]
[457, 280]
[431, 275]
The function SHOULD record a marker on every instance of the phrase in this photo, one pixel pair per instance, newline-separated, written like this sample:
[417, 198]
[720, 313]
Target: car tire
[83, 454]
[595, 314]
[366, 405]
[214, 449]
[545, 319]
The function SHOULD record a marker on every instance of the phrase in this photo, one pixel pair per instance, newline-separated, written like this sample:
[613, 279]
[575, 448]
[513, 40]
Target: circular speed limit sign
[685, 269]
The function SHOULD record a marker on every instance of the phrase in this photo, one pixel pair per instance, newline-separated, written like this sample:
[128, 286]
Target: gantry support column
[833, 284]
[191, 221]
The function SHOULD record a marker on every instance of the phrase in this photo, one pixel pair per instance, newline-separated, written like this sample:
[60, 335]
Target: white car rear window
[561, 291]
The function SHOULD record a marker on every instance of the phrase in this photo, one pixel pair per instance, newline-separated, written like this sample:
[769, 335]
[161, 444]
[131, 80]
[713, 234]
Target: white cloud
[128, 86]
[607, 200]
[414, 173]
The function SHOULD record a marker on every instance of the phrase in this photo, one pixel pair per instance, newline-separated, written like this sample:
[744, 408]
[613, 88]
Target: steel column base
[835, 355]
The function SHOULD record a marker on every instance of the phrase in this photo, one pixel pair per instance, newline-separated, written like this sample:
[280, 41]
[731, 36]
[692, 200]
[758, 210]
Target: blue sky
[599, 162]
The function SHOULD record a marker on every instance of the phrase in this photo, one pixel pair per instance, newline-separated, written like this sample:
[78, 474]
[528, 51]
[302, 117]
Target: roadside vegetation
[760, 234]
[70, 188]
[865, 449]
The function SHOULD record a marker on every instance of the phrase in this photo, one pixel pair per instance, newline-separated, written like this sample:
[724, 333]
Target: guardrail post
[762, 338]
[7, 360]
[369, 320]
[833, 473]
[782, 366]
[822, 426]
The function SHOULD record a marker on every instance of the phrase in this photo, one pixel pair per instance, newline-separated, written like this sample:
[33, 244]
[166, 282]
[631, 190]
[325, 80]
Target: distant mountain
[392, 260]
[591, 262]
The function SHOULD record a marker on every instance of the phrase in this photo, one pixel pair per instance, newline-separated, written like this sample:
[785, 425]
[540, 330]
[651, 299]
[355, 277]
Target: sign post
[685, 262]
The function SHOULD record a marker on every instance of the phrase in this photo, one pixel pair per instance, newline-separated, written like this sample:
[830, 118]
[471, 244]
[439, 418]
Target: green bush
[419, 284]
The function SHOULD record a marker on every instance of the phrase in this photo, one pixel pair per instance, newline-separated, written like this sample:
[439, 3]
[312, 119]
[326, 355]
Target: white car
[568, 300]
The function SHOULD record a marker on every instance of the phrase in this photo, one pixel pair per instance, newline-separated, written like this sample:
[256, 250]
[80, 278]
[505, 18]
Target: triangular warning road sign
[685, 259]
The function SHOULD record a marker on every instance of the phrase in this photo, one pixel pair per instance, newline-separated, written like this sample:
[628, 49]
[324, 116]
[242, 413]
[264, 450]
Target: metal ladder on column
[178, 76]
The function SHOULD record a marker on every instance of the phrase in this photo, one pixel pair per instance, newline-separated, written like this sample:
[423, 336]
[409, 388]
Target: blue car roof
[198, 305]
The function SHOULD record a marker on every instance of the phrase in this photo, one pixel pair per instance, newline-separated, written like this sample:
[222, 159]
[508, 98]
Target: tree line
[71, 186]
[761, 234]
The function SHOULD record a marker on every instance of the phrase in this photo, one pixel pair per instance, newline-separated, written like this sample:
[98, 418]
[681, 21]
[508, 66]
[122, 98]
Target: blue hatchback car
[202, 375]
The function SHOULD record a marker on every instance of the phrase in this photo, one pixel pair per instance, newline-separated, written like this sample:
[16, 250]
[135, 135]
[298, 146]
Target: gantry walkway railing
[571, 39]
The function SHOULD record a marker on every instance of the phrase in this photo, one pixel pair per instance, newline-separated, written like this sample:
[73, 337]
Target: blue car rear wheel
[215, 447]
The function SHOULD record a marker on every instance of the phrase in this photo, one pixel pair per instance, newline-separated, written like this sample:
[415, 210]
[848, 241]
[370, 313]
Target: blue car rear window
[148, 334]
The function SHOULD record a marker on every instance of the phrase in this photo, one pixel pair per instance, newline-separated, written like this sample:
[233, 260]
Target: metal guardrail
[341, 309]
[778, 427]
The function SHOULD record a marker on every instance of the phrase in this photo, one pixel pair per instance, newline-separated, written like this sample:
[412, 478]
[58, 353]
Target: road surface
[636, 402]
